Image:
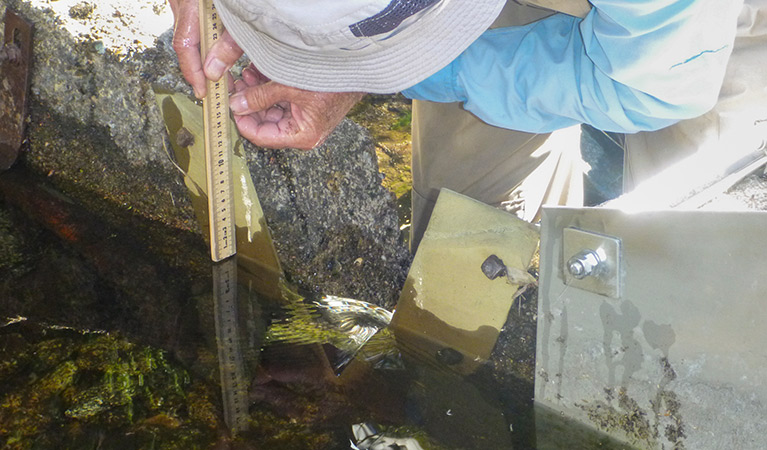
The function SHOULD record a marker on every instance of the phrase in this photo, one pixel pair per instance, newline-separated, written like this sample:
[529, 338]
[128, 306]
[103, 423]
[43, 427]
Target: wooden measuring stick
[217, 145]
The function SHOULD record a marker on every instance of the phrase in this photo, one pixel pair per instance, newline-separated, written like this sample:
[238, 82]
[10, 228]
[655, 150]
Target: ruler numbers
[217, 147]
[222, 236]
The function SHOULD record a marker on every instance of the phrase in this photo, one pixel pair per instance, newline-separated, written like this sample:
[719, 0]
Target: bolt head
[576, 269]
[583, 264]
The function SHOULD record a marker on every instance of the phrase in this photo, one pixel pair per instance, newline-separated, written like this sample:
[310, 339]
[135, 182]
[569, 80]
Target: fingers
[276, 113]
[276, 127]
[273, 115]
[255, 75]
[265, 117]
[252, 76]
[260, 97]
[279, 134]
[231, 84]
[221, 57]
[186, 43]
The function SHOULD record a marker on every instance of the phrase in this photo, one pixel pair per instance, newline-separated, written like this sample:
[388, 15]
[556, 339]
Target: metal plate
[259, 265]
[605, 280]
[450, 308]
[679, 360]
[14, 86]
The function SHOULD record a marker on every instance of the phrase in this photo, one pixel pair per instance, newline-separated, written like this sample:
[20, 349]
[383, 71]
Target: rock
[335, 227]
[96, 133]
[70, 389]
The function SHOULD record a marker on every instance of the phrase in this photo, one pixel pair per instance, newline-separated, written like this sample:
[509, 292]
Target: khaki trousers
[454, 149]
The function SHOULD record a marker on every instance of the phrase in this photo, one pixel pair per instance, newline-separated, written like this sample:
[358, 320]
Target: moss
[403, 122]
[78, 389]
[201, 402]
[288, 434]
[387, 118]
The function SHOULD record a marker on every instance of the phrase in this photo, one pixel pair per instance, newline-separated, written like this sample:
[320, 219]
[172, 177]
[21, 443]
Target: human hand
[186, 42]
[270, 114]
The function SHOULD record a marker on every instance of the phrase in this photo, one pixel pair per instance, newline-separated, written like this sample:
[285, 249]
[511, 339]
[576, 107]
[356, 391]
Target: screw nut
[583, 264]
[493, 267]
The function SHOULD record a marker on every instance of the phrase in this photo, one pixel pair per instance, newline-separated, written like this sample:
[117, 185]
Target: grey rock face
[333, 223]
[96, 132]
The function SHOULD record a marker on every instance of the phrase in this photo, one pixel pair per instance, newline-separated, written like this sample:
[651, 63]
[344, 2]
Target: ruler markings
[217, 146]
[222, 231]
[234, 386]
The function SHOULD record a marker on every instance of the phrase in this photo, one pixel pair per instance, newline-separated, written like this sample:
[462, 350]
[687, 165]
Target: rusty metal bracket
[15, 63]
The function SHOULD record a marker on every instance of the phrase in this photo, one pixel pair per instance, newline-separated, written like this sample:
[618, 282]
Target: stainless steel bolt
[583, 264]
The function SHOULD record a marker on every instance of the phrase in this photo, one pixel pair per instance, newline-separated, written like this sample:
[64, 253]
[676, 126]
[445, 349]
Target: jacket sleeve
[628, 66]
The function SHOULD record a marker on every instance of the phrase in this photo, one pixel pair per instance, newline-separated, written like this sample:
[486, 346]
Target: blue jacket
[629, 65]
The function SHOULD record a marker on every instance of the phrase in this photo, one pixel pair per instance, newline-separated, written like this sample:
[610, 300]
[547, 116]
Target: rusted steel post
[15, 63]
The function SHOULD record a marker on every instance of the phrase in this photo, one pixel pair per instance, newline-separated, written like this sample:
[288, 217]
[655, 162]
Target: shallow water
[108, 341]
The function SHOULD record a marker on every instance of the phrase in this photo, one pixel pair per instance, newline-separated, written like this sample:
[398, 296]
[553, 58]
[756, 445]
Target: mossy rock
[62, 388]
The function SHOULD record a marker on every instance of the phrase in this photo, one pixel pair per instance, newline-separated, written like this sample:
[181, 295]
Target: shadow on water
[105, 343]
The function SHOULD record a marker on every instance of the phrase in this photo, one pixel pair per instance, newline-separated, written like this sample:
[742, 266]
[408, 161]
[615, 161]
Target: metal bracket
[592, 262]
[15, 62]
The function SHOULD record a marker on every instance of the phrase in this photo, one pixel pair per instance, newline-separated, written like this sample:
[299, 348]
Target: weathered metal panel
[453, 305]
[678, 360]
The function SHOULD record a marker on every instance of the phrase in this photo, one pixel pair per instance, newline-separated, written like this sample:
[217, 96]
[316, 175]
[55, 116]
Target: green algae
[62, 388]
[388, 118]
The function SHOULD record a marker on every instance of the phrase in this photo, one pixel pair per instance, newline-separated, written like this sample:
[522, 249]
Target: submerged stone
[62, 388]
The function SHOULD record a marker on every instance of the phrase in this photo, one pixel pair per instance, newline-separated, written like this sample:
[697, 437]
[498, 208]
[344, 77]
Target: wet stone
[81, 10]
[96, 134]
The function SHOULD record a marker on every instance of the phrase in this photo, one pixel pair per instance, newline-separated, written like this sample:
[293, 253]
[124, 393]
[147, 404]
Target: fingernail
[197, 93]
[215, 69]
[238, 103]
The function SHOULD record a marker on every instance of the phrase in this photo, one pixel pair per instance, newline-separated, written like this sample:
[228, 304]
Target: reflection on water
[109, 341]
[232, 374]
[349, 328]
[332, 363]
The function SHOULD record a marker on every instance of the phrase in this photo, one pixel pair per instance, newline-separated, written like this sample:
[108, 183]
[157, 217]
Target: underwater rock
[96, 133]
[90, 281]
[62, 388]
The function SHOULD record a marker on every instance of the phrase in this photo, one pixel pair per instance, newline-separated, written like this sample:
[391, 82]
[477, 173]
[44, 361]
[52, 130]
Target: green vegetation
[387, 118]
[403, 122]
[61, 388]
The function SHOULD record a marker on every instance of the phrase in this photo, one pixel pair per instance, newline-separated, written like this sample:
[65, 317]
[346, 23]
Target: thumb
[221, 57]
[258, 98]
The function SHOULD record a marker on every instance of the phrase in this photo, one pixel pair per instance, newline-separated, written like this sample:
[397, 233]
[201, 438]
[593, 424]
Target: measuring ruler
[218, 164]
[218, 156]
[234, 385]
